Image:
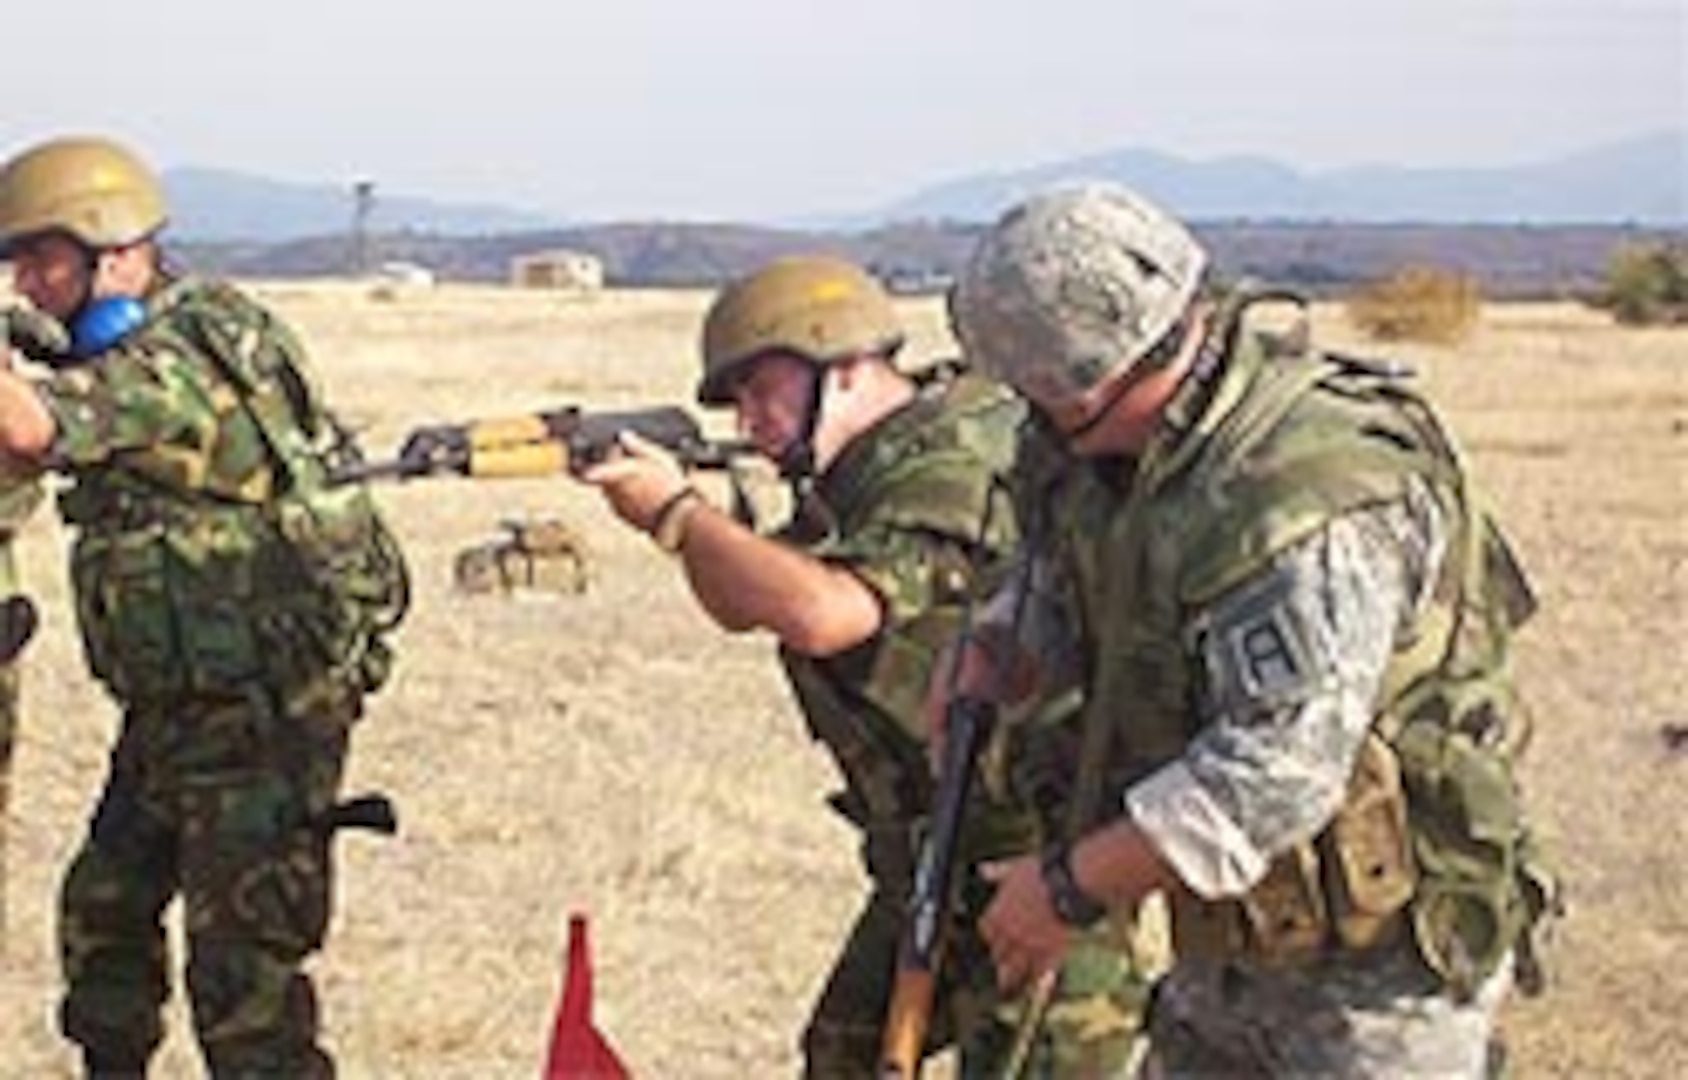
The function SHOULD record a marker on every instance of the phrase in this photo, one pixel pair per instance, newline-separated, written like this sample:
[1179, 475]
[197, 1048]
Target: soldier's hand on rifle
[1020, 926]
[640, 482]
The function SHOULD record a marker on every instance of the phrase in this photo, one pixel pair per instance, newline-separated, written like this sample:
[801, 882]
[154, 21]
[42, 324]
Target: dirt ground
[611, 753]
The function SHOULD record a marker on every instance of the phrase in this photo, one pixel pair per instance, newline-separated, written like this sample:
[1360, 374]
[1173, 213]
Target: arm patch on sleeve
[1267, 646]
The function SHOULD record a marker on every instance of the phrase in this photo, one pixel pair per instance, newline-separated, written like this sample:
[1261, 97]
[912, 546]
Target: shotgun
[969, 721]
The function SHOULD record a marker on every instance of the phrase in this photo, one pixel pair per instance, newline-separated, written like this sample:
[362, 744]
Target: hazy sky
[764, 108]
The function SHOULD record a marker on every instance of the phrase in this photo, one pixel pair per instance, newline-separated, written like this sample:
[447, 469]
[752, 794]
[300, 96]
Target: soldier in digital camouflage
[892, 475]
[215, 598]
[1290, 615]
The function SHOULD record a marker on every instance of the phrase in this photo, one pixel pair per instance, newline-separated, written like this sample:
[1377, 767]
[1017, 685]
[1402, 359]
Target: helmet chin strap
[1165, 352]
[797, 464]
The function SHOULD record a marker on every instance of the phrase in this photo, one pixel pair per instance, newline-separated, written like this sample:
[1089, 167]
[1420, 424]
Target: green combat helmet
[91, 188]
[816, 307]
[1072, 287]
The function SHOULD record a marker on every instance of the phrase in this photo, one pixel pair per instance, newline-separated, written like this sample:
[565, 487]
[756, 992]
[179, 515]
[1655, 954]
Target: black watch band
[1076, 907]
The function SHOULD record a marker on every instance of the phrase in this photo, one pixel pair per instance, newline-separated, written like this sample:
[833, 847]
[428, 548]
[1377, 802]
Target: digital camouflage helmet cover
[1072, 287]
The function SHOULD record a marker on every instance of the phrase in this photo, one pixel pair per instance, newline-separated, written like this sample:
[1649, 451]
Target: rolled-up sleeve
[1292, 663]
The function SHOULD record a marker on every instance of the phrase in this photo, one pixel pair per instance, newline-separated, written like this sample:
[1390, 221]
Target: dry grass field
[611, 753]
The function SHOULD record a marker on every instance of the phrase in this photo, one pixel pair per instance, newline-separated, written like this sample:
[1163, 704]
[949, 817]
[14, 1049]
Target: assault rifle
[969, 721]
[542, 444]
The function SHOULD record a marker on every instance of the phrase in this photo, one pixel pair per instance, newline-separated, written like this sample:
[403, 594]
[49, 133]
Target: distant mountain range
[220, 205]
[1643, 181]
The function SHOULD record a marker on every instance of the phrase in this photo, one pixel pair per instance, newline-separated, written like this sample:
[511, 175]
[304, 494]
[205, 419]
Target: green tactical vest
[209, 569]
[1266, 449]
[924, 475]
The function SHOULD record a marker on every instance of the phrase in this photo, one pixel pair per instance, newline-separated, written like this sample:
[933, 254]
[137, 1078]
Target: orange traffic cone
[578, 1050]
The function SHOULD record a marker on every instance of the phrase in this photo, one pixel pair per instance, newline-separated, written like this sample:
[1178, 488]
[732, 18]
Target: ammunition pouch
[164, 612]
[1429, 846]
[1367, 851]
[352, 564]
[197, 600]
[1345, 890]
[1486, 883]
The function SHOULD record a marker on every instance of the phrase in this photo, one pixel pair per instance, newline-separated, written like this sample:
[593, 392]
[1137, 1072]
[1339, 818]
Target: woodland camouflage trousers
[221, 802]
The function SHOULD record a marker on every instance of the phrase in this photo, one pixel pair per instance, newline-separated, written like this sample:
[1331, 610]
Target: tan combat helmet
[820, 308]
[1073, 286]
[89, 187]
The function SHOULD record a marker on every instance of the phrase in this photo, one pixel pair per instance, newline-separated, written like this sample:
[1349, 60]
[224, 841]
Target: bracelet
[1075, 907]
[668, 525]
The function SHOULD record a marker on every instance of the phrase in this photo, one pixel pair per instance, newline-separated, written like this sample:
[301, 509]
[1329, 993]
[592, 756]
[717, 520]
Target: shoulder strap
[259, 358]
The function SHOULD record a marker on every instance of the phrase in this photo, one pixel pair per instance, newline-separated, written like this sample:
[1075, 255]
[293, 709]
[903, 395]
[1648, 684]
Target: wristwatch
[668, 528]
[1076, 907]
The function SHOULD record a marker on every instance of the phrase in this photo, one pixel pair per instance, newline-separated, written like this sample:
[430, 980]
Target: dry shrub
[1418, 303]
[1647, 285]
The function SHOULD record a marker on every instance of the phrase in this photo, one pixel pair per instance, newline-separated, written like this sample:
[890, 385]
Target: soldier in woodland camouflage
[215, 603]
[892, 475]
[34, 335]
[1290, 614]
[19, 495]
